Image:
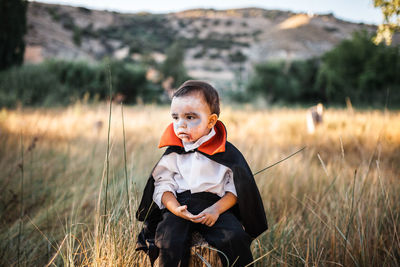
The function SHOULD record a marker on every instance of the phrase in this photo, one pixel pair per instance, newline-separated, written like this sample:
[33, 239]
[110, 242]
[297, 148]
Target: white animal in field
[314, 117]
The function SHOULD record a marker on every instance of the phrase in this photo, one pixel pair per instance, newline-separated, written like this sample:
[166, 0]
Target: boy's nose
[181, 123]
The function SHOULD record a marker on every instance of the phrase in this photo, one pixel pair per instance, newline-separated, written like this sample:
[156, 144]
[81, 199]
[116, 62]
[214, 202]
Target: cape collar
[214, 145]
[199, 142]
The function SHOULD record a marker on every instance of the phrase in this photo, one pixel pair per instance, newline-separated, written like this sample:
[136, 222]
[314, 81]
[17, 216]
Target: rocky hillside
[219, 45]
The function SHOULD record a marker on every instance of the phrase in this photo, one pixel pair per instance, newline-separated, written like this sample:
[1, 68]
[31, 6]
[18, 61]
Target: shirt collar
[192, 146]
[212, 145]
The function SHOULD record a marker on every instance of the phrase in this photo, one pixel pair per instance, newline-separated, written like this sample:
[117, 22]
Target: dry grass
[335, 204]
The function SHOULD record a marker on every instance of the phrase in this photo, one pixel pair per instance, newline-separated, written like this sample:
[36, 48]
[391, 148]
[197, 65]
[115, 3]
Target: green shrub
[280, 81]
[142, 33]
[361, 70]
[215, 55]
[53, 11]
[356, 68]
[28, 85]
[84, 10]
[62, 82]
[67, 21]
[237, 57]
[77, 36]
[215, 42]
[200, 54]
[173, 64]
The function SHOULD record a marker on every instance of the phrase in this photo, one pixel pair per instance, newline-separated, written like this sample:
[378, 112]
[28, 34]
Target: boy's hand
[208, 216]
[181, 211]
[211, 214]
[170, 202]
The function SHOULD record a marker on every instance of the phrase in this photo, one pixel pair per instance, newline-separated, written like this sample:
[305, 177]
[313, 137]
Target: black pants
[173, 234]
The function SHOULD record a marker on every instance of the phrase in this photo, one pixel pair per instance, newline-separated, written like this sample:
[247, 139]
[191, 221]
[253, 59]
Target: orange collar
[215, 145]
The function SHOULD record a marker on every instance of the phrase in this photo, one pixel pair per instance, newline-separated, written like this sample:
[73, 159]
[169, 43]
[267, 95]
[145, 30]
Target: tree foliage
[63, 82]
[361, 70]
[12, 31]
[356, 68]
[173, 65]
[391, 20]
[280, 82]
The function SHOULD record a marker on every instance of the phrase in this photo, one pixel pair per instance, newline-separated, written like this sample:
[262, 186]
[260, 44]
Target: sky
[351, 10]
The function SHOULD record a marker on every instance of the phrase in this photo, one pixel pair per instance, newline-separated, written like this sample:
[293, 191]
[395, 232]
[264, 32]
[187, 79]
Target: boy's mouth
[183, 135]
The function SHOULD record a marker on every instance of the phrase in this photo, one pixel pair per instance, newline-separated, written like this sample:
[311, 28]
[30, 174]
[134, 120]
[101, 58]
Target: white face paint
[191, 117]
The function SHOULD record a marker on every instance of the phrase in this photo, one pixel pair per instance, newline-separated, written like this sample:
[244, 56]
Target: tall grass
[108, 147]
[125, 164]
[21, 166]
[334, 204]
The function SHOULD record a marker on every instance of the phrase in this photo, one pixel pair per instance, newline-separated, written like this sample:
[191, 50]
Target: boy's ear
[212, 120]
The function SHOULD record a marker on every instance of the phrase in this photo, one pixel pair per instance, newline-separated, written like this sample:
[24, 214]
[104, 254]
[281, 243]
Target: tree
[173, 65]
[12, 31]
[293, 84]
[391, 22]
[361, 70]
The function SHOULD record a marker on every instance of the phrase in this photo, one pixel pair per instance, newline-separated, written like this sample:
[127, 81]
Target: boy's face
[191, 117]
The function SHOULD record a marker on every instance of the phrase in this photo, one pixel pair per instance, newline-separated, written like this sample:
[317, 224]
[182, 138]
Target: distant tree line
[62, 82]
[357, 68]
[59, 82]
[366, 73]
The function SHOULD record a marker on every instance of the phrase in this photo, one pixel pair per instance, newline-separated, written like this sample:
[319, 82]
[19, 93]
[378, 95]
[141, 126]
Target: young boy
[201, 183]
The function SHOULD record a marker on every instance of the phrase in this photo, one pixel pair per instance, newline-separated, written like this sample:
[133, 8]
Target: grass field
[63, 202]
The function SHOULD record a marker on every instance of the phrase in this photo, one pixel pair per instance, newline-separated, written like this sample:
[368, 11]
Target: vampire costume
[249, 209]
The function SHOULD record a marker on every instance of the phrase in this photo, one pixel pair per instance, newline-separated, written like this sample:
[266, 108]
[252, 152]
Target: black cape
[249, 208]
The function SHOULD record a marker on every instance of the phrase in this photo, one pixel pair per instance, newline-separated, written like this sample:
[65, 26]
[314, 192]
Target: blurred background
[302, 53]
[84, 96]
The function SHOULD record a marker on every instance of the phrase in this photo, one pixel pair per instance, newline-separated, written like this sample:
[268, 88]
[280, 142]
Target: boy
[202, 183]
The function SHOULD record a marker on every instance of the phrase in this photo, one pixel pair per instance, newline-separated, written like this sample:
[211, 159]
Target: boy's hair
[210, 94]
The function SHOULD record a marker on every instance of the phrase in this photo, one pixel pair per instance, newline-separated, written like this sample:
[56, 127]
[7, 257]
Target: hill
[220, 45]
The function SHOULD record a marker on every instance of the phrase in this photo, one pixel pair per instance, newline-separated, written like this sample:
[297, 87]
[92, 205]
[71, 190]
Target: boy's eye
[190, 117]
[174, 117]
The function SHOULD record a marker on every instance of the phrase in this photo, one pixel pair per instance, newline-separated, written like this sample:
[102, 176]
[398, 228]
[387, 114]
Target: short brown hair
[210, 94]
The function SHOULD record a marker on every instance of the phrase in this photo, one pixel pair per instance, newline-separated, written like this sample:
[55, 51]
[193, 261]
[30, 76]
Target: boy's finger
[197, 221]
[191, 216]
[210, 222]
[201, 219]
[199, 216]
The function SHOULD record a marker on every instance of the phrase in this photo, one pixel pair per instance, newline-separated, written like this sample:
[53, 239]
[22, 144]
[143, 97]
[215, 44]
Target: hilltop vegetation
[357, 70]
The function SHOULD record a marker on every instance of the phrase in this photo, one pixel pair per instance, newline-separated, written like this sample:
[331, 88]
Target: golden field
[337, 203]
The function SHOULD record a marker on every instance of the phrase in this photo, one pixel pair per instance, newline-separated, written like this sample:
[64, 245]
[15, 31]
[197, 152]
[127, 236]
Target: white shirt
[177, 173]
